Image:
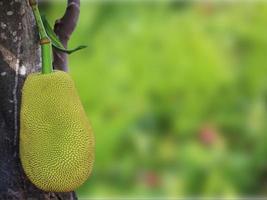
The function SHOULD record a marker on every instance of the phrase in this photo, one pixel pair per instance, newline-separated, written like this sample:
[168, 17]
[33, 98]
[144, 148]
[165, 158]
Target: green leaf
[55, 41]
[69, 51]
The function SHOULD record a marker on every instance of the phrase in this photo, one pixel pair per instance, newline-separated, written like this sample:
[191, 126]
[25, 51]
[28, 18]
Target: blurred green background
[176, 94]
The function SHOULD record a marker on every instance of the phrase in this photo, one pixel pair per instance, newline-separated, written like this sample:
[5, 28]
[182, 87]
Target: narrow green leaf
[55, 41]
[70, 51]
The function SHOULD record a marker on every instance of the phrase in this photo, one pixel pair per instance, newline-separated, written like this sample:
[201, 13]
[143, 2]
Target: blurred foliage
[176, 93]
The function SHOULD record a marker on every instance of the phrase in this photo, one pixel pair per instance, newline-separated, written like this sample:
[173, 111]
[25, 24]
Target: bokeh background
[176, 93]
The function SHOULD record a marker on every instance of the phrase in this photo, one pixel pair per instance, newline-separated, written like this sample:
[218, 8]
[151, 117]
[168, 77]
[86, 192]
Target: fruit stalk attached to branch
[44, 40]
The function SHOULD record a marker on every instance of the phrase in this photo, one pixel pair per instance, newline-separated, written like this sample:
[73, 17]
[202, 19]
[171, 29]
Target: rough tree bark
[19, 56]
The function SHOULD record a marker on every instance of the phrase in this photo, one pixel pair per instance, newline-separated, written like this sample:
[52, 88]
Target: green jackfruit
[56, 139]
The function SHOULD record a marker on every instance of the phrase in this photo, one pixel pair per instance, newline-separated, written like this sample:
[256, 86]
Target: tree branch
[64, 28]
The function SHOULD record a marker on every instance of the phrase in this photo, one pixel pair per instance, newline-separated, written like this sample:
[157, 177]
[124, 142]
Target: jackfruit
[56, 139]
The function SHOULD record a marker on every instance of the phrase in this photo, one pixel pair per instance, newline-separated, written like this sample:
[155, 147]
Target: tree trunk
[19, 56]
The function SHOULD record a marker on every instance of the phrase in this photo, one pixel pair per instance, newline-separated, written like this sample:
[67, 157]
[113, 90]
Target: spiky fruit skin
[56, 139]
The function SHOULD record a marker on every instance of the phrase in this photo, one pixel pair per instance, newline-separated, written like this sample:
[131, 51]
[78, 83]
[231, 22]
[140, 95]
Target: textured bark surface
[19, 56]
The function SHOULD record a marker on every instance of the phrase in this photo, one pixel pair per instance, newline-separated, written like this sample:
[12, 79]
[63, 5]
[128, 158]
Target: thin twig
[64, 28]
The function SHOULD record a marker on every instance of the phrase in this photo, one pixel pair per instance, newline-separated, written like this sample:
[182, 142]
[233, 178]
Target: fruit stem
[46, 47]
